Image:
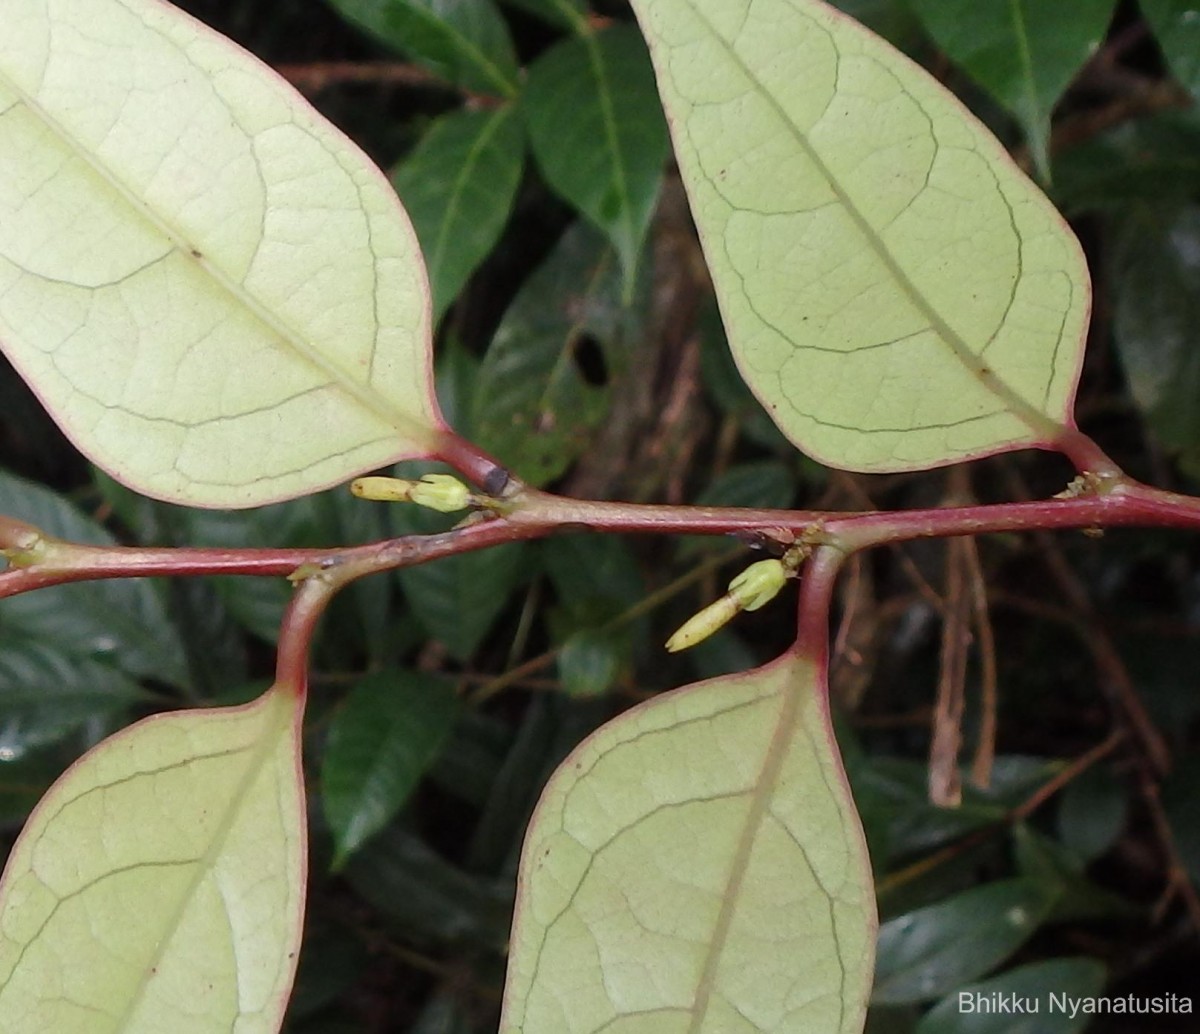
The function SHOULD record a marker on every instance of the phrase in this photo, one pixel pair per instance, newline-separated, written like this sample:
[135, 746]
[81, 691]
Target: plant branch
[817, 579]
[296, 632]
[36, 561]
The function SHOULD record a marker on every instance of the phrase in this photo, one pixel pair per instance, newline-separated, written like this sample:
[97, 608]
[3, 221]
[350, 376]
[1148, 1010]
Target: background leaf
[567, 14]
[1156, 274]
[122, 622]
[455, 599]
[45, 693]
[597, 132]
[928, 953]
[1092, 812]
[1024, 52]
[1176, 25]
[199, 356]
[388, 731]
[1156, 158]
[539, 408]
[900, 297]
[724, 785]
[465, 41]
[160, 883]
[458, 187]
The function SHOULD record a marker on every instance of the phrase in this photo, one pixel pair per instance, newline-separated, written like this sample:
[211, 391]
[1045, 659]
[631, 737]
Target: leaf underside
[697, 867]
[159, 885]
[213, 291]
[896, 292]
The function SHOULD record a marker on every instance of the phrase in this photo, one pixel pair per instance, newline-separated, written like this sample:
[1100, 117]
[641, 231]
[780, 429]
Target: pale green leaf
[214, 292]
[697, 865]
[159, 885]
[390, 729]
[897, 294]
[1024, 52]
[597, 132]
[458, 186]
[465, 41]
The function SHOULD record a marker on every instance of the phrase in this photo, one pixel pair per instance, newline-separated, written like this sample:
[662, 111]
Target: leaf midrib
[263, 750]
[1041, 425]
[612, 135]
[372, 400]
[458, 188]
[466, 46]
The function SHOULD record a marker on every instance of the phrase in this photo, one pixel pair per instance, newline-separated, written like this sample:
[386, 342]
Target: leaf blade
[459, 186]
[1178, 32]
[879, 262]
[1025, 54]
[240, 313]
[755, 792]
[123, 623]
[598, 135]
[466, 41]
[390, 730]
[201, 908]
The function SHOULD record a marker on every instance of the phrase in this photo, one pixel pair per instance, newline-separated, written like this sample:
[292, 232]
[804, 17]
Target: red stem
[816, 595]
[538, 514]
[296, 633]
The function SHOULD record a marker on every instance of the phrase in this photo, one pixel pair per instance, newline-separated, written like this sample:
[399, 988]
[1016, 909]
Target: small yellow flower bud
[442, 492]
[754, 587]
[758, 584]
[382, 490]
[700, 626]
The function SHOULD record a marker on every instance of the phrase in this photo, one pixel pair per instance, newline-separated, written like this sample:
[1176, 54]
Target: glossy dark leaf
[46, 693]
[1156, 296]
[458, 187]
[1060, 872]
[566, 14]
[1023, 52]
[588, 568]
[927, 953]
[539, 410]
[1092, 812]
[426, 896]
[389, 730]
[1157, 157]
[1176, 25]
[465, 41]
[122, 622]
[598, 132]
[455, 599]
